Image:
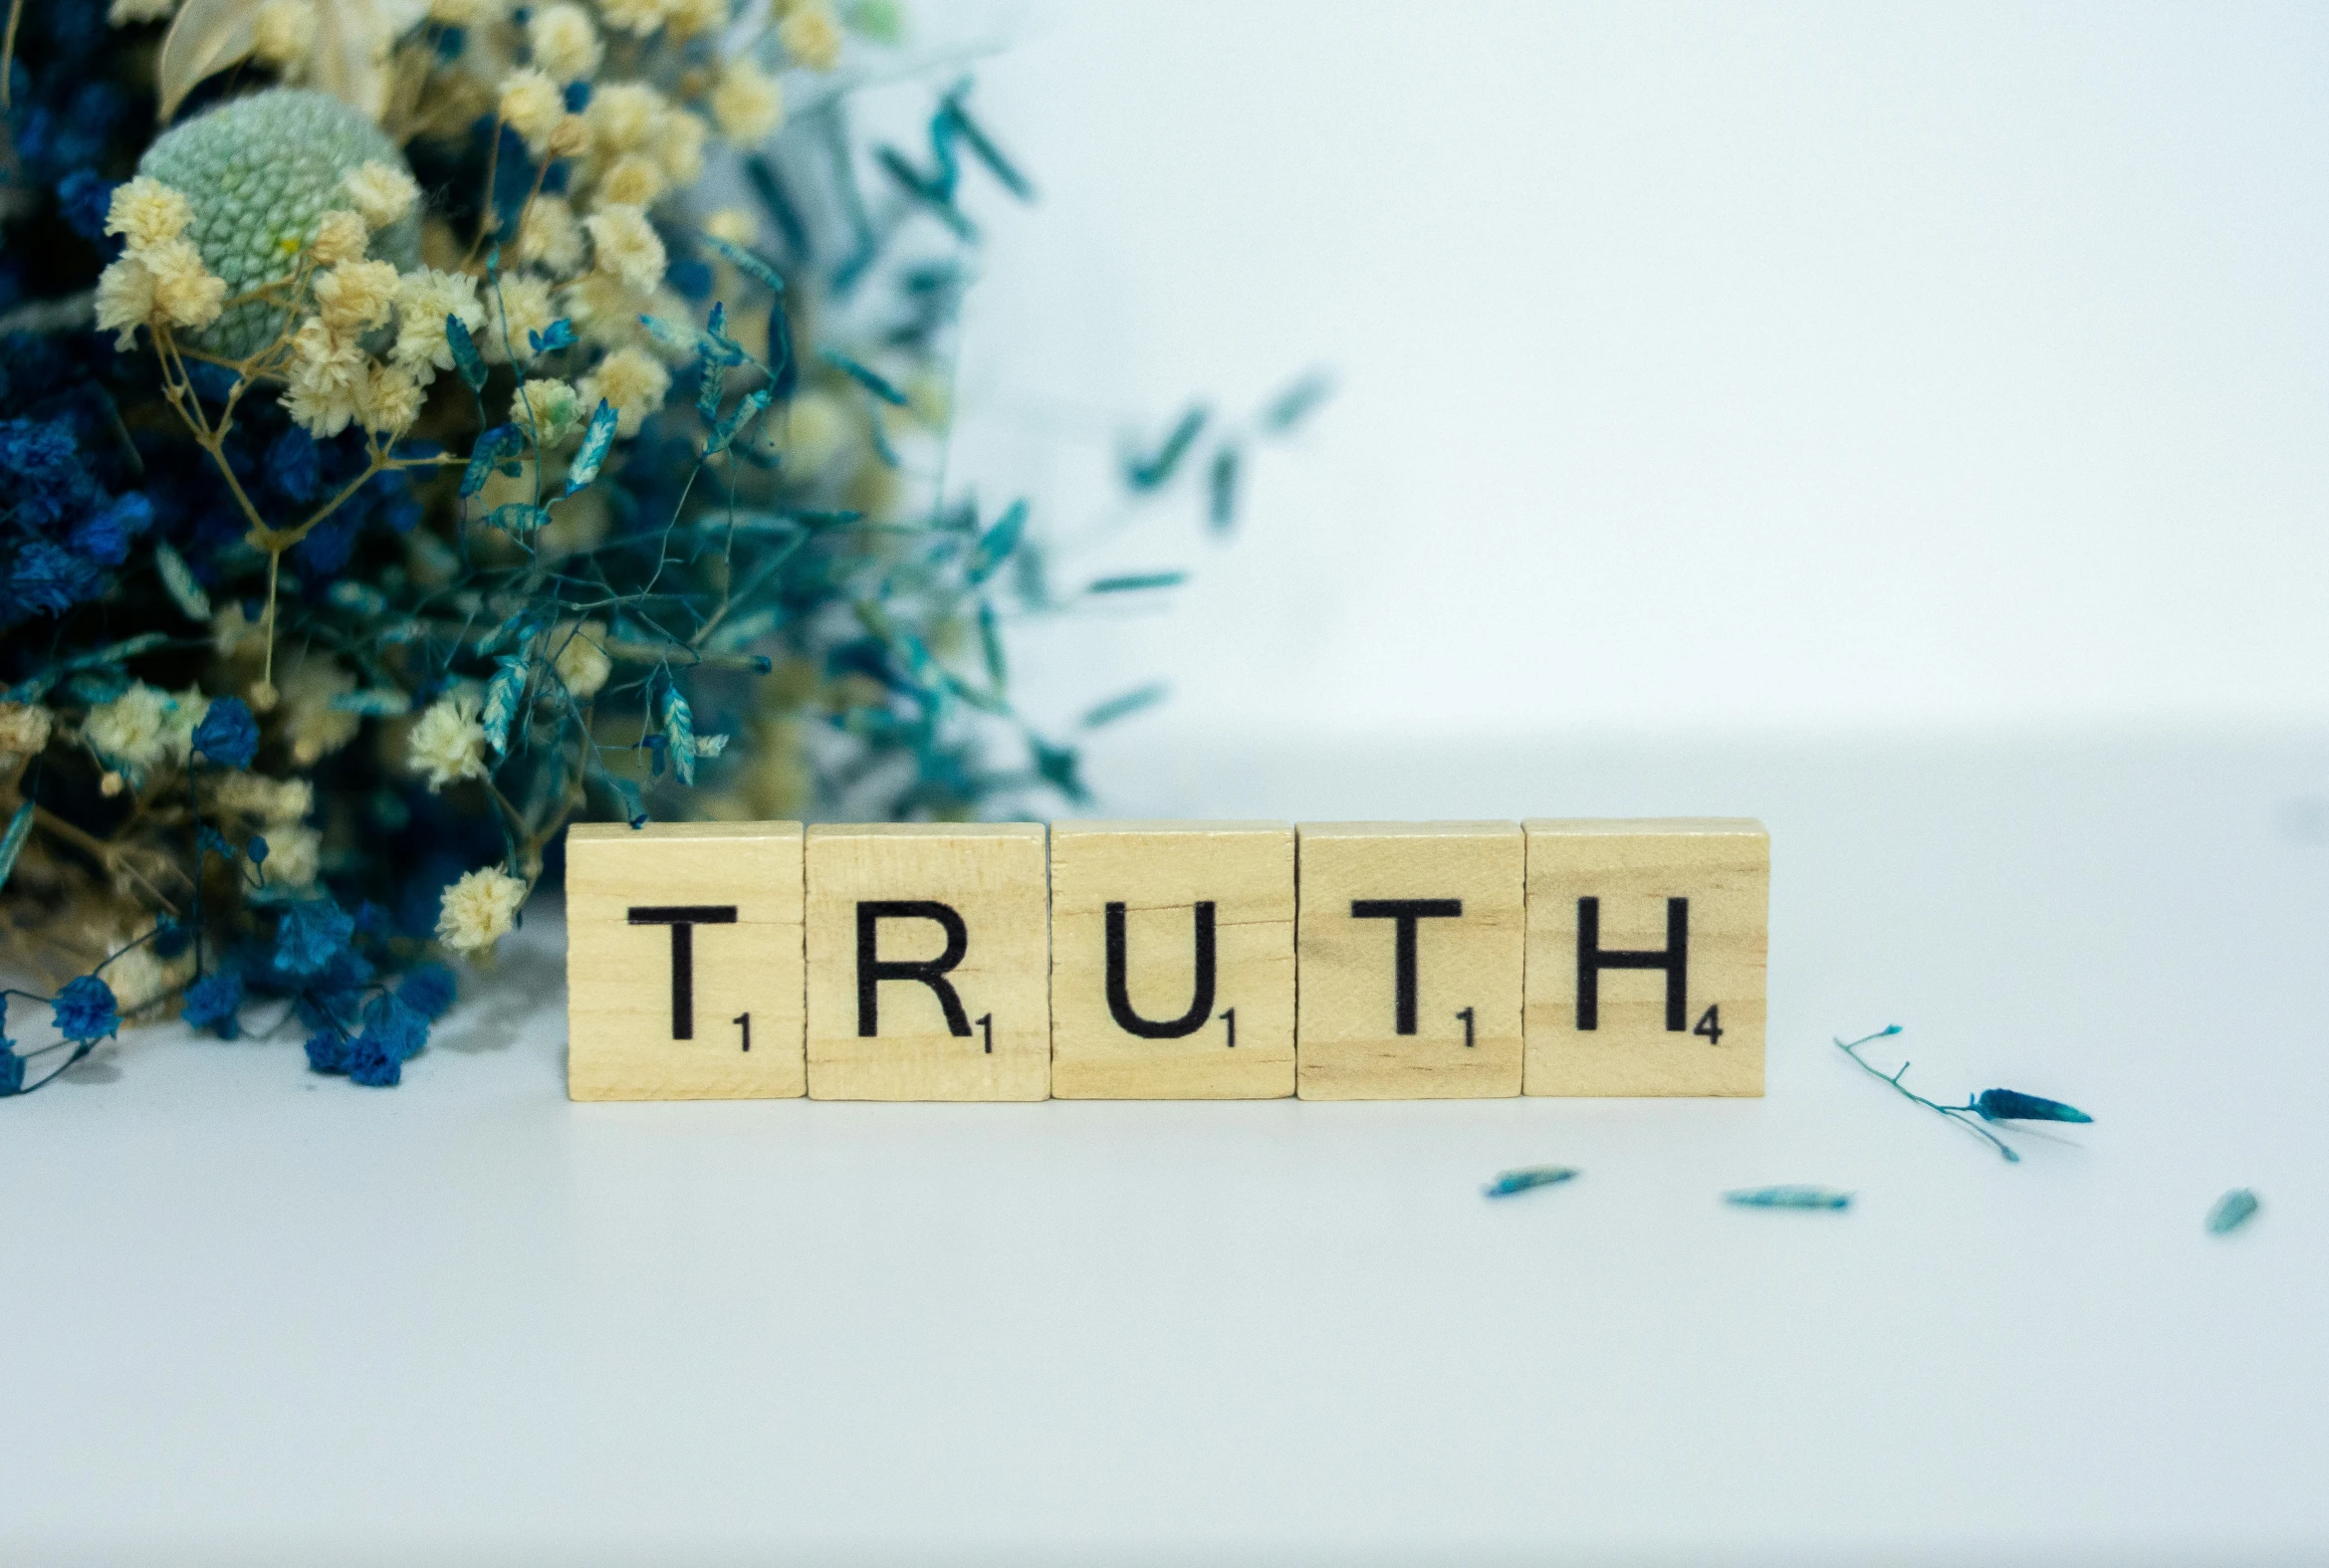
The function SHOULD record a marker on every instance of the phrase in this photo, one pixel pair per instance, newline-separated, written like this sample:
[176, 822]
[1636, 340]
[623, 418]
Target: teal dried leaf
[1521, 1180]
[517, 518]
[731, 353]
[2232, 1211]
[1135, 581]
[879, 431]
[872, 380]
[743, 414]
[1126, 706]
[466, 358]
[2005, 1105]
[996, 544]
[381, 702]
[710, 391]
[1150, 472]
[991, 645]
[558, 335]
[502, 695]
[178, 579]
[747, 262]
[513, 631]
[12, 842]
[783, 369]
[597, 440]
[934, 192]
[679, 734]
[1292, 406]
[499, 442]
[1788, 1197]
[1057, 766]
[983, 149]
[1221, 487]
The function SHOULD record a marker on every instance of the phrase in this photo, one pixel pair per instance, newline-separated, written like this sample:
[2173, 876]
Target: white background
[1809, 364]
[1718, 374]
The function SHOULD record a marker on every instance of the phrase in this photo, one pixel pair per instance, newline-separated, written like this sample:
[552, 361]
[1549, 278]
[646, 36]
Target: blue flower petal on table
[1527, 1177]
[2232, 1211]
[2006, 1105]
[1791, 1197]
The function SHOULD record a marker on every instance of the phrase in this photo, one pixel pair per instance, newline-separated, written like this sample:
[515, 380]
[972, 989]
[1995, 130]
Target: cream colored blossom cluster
[159, 276]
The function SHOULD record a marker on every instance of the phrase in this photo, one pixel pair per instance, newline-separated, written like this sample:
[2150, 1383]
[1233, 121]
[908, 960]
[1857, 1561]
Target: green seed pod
[261, 171]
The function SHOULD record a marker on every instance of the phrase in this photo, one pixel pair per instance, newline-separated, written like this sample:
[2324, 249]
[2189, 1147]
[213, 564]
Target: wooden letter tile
[1410, 954]
[684, 960]
[1172, 961]
[929, 969]
[1646, 956]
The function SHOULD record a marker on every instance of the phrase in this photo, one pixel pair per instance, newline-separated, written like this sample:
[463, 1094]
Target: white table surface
[258, 1317]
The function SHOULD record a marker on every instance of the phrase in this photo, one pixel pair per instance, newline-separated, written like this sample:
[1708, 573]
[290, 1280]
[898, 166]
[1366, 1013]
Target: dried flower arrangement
[402, 455]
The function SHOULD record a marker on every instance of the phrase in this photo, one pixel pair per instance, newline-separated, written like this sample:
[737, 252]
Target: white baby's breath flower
[187, 709]
[632, 180]
[479, 910]
[747, 103]
[465, 13]
[382, 192]
[185, 292]
[340, 236]
[277, 802]
[626, 116]
[532, 104]
[392, 399]
[315, 726]
[447, 742]
[680, 145]
[122, 13]
[736, 225]
[425, 299]
[811, 34]
[635, 16]
[294, 856]
[125, 301]
[519, 303]
[354, 297]
[552, 407]
[579, 657]
[329, 379]
[566, 42]
[549, 236]
[633, 381]
[146, 214]
[624, 244]
[24, 733]
[132, 733]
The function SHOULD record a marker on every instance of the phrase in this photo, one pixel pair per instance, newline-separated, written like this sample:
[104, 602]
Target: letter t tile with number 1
[683, 960]
[929, 961]
[1408, 958]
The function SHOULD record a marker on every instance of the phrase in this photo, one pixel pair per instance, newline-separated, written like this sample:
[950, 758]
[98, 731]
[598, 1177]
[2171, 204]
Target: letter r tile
[684, 960]
[1172, 961]
[929, 956]
[1409, 952]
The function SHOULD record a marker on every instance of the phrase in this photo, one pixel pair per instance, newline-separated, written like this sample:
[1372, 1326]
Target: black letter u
[1120, 1003]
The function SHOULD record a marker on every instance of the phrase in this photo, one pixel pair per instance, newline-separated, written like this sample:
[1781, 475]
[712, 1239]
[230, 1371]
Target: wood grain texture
[622, 1040]
[1347, 1015]
[1633, 871]
[993, 876]
[1160, 872]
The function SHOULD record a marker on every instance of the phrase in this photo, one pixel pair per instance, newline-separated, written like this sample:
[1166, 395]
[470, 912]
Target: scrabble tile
[929, 961]
[1646, 956]
[1172, 961]
[1409, 955]
[684, 962]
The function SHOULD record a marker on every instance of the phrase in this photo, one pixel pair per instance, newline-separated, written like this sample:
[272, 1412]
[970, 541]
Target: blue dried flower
[228, 735]
[11, 1071]
[2005, 1105]
[327, 1052]
[395, 1026]
[213, 1002]
[82, 199]
[86, 1009]
[311, 935]
[50, 580]
[429, 989]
